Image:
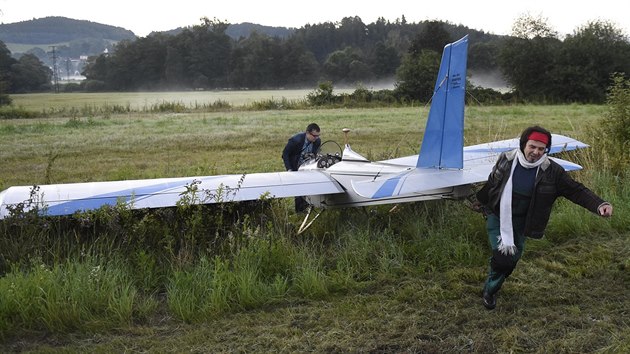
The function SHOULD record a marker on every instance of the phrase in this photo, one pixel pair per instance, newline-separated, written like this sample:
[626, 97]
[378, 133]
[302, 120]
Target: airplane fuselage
[348, 173]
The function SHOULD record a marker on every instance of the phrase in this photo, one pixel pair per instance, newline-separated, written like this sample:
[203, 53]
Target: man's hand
[477, 207]
[605, 210]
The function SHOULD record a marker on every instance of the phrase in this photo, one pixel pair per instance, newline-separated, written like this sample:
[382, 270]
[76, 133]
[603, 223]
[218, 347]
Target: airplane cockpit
[329, 154]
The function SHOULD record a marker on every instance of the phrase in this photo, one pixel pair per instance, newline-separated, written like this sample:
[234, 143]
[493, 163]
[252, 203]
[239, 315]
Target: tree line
[26, 74]
[537, 65]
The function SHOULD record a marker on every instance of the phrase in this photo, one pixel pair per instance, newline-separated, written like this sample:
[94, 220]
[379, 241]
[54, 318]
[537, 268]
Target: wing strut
[306, 225]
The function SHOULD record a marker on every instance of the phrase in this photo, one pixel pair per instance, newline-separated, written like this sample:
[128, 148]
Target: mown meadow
[238, 278]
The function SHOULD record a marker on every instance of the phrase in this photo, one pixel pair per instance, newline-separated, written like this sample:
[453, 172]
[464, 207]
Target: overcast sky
[494, 16]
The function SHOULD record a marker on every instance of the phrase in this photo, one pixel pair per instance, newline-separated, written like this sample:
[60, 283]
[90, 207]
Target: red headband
[538, 136]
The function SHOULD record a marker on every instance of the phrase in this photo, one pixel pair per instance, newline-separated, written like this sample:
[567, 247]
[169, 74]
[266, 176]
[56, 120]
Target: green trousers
[501, 266]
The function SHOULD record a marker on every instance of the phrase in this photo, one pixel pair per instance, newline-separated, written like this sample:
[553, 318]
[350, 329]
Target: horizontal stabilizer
[559, 144]
[567, 165]
[488, 152]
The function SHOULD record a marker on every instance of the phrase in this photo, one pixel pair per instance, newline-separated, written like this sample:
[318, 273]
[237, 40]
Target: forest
[535, 64]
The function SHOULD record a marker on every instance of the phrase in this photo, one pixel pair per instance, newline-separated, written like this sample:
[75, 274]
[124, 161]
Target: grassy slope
[550, 305]
[566, 296]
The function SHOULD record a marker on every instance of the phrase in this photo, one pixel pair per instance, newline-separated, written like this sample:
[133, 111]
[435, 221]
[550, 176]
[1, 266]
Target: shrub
[613, 131]
[322, 95]
[94, 86]
[5, 100]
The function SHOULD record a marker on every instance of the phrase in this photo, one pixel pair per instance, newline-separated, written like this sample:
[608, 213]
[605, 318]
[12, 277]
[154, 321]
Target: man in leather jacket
[295, 152]
[518, 197]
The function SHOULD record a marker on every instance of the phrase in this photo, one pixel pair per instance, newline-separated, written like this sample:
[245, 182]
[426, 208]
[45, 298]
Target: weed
[613, 131]
[51, 159]
[72, 296]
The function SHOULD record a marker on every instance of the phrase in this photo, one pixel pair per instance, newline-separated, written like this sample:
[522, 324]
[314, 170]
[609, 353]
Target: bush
[16, 113]
[72, 87]
[613, 131]
[484, 96]
[94, 86]
[322, 95]
[5, 100]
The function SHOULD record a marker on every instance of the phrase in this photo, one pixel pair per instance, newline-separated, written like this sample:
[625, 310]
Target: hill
[74, 39]
[50, 30]
[71, 38]
[21, 37]
[245, 29]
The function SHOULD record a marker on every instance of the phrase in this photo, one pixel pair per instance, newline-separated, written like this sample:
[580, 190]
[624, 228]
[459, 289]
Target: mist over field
[143, 99]
[489, 79]
[139, 100]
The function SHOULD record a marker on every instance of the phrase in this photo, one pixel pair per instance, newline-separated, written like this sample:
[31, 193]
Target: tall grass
[87, 295]
[256, 267]
[110, 268]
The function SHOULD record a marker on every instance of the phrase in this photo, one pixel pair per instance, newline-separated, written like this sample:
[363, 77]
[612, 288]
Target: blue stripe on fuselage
[387, 189]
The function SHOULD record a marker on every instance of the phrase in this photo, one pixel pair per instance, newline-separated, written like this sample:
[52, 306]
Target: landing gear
[306, 223]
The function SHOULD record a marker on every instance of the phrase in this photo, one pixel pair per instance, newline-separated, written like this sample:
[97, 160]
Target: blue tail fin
[443, 142]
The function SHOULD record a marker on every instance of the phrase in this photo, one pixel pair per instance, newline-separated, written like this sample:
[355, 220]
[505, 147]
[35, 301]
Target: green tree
[346, 66]
[352, 32]
[527, 26]
[320, 39]
[136, 65]
[5, 74]
[196, 58]
[26, 74]
[483, 56]
[175, 65]
[258, 62]
[29, 74]
[385, 61]
[527, 59]
[379, 30]
[587, 60]
[208, 51]
[433, 37]
[416, 76]
[358, 71]
[97, 72]
[299, 66]
[5, 99]
[150, 62]
[121, 73]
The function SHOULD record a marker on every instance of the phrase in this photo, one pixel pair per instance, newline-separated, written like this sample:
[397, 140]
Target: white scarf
[506, 239]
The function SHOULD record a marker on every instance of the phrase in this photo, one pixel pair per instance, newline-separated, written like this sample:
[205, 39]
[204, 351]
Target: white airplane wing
[64, 199]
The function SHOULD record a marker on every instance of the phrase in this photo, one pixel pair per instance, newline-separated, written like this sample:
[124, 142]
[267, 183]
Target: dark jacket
[552, 181]
[293, 150]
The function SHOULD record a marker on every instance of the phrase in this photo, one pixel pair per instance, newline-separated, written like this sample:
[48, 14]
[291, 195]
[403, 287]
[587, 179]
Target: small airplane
[443, 169]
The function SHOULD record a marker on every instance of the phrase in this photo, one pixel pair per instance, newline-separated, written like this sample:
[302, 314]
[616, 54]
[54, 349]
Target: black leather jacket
[552, 182]
[293, 150]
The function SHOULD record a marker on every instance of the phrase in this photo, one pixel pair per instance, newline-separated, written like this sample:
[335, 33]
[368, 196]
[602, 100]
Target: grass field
[140, 100]
[137, 145]
[407, 281]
